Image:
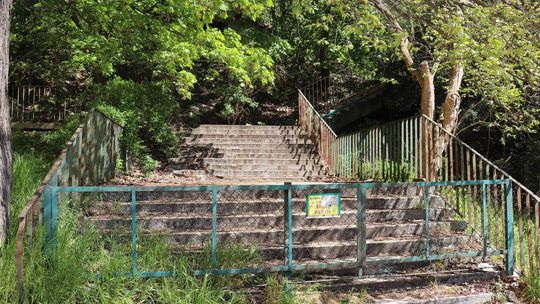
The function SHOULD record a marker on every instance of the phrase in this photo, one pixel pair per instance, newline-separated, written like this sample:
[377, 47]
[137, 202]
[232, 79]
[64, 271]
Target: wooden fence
[400, 151]
[88, 159]
[30, 103]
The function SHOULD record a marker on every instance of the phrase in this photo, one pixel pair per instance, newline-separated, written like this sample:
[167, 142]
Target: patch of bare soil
[169, 176]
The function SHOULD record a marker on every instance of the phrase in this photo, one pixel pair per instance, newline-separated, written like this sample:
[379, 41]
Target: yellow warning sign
[323, 205]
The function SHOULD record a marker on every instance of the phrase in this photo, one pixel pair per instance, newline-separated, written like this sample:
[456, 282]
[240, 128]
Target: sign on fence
[323, 205]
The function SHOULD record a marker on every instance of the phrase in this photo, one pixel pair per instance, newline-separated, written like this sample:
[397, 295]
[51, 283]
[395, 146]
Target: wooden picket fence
[34, 104]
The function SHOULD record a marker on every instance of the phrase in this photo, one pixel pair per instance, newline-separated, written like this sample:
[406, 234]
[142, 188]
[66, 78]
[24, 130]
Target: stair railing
[327, 92]
[317, 129]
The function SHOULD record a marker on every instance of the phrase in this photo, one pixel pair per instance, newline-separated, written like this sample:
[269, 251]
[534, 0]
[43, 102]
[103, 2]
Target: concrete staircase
[245, 152]
[255, 219]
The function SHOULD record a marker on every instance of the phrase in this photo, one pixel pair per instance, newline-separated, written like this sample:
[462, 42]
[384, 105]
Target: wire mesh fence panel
[396, 221]
[255, 229]
[324, 225]
[176, 226]
[474, 214]
[250, 228]
[101, 227]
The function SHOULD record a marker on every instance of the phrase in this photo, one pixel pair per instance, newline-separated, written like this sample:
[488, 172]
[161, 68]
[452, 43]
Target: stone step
[402, 190]
[261, 161]
[456, 275]
[192, 205]
[261, 145]
[247, 136]
[346, 250]
[239, 132]
[245, 127]
[271, 152]
[265, 167]
[268, 173]
[310, 234]
[249, 195]
[240, 140]
[203, 220]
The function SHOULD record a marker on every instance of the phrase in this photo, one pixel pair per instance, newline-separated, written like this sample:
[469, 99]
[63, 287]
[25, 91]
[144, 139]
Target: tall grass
[28, 171]
[69, 275]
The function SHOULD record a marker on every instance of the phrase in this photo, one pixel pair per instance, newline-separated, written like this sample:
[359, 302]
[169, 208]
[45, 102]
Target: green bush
[145, 110]
[47, 145]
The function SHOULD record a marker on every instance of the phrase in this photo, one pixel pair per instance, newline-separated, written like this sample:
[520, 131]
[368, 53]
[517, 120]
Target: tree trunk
[5, 122]
[452, 103]
[427, 102]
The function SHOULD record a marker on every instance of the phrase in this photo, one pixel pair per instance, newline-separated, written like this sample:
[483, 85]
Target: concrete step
[323, 251]
[265, 167]
[268, 173]
[245, 127]
[403, 190]
[261, 161]
[269, 154]
[310, 234]
[232, 222]
[260, 140]
[455, 276]
[231, 151]
[193, 205]
[247, 136]
[239, 132]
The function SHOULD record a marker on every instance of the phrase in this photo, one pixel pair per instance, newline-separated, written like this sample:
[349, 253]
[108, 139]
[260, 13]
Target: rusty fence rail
[89, 158]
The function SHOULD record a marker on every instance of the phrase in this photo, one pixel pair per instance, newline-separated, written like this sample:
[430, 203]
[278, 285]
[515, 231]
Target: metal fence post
[484, 220]
[47, 219]
[361, 232]
[214, 230]
[426, 196]
[288, 228]
[133, 232]
[509, 229]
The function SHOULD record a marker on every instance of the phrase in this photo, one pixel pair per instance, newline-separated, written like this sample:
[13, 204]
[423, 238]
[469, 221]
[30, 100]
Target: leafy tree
[84, 41]
[146, 46]
[471, 42]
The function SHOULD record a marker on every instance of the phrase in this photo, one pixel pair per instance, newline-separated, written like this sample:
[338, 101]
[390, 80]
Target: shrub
[145, 111]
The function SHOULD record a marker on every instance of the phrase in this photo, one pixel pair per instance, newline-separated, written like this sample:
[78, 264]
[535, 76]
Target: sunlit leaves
[160, 39]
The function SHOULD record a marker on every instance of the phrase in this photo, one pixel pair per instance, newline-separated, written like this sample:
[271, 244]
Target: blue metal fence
[299, 248]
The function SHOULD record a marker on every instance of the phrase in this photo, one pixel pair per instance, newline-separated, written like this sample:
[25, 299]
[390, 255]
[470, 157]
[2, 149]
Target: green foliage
[89, 41]
[145, 110]
[501, 71]
[47, 145]
[28, 172]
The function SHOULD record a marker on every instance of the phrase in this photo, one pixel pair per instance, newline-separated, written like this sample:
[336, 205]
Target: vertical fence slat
[537, 233]
[520, 227]
[529, 231]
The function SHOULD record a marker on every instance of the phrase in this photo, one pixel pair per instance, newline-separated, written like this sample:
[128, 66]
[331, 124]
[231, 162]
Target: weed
[531, 289]
[277, 291]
